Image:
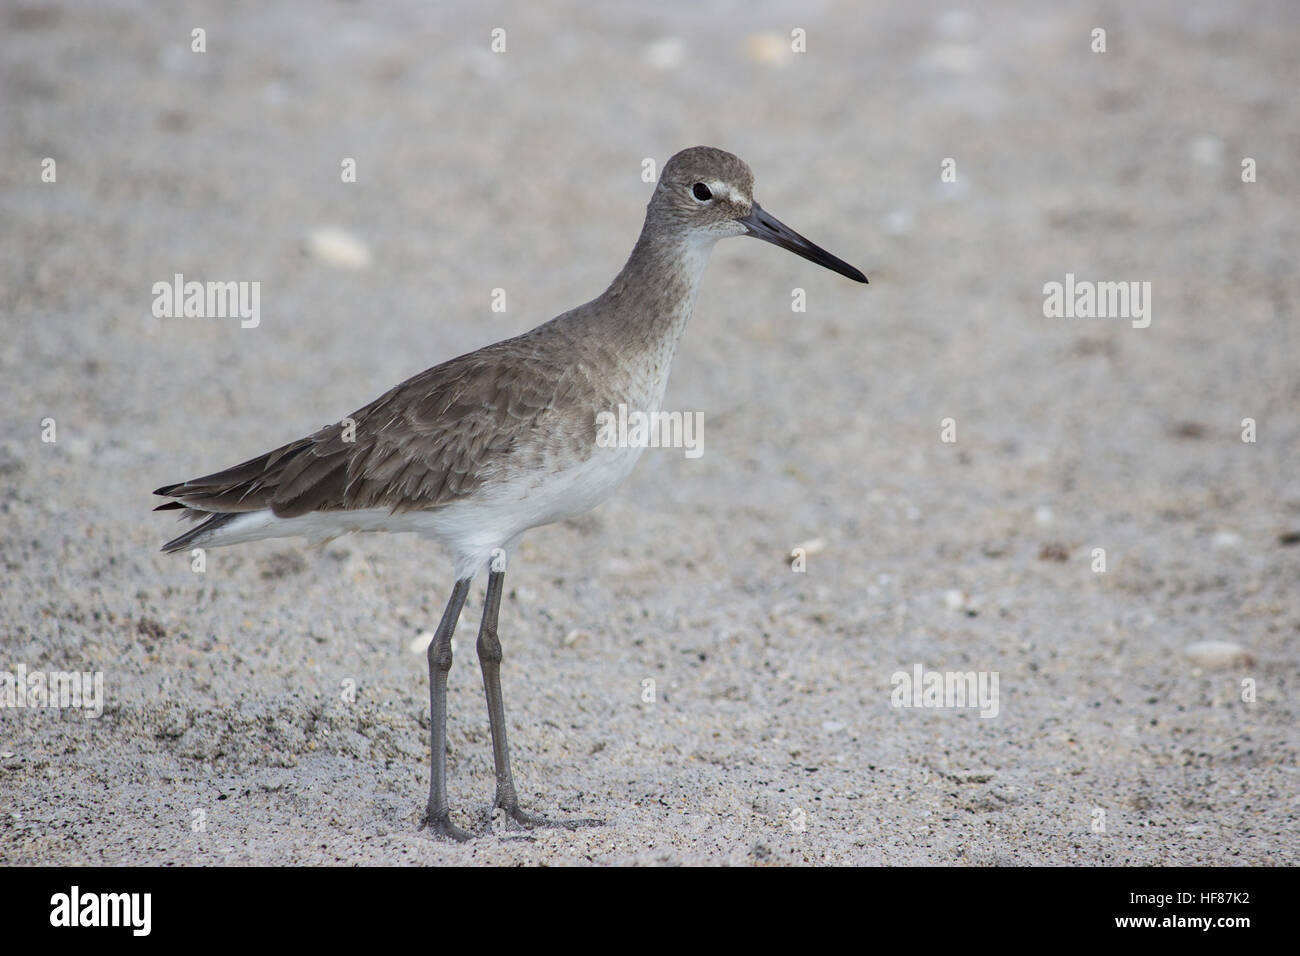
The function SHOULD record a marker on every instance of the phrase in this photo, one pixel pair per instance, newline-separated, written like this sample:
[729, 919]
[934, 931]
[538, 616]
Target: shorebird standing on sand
[478, 450]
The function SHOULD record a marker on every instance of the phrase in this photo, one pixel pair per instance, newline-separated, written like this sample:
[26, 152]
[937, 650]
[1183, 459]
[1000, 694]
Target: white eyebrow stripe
[719, 188]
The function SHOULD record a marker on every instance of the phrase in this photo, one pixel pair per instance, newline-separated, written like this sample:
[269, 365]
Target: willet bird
[478, 450]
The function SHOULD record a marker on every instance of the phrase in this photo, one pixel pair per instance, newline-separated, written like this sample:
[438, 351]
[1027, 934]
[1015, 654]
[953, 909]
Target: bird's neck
[652, 298]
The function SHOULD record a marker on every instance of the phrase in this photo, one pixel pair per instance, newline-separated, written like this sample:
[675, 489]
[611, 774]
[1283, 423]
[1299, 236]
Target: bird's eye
[701, 192]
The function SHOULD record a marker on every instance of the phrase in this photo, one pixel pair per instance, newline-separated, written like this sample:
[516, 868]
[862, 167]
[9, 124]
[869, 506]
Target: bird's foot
[440, 825]
[506, 817]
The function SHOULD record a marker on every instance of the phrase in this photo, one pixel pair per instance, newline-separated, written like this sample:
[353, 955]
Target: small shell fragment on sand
[337, 247]
[1225, 539]
[769, 48]
[806, 548]
[1219, 655]
[962, 602]
[574, 636]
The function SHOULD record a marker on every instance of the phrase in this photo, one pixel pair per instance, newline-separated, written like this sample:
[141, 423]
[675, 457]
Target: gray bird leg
[489, 658]
[436, 816]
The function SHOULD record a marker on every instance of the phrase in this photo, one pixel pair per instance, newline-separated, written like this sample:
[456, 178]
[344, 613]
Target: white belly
[473, 528]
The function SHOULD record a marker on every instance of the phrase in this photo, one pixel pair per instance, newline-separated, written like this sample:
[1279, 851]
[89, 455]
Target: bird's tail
[201, 532]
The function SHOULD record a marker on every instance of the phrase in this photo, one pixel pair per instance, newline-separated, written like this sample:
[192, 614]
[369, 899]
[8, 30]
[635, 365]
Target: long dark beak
[770, 229]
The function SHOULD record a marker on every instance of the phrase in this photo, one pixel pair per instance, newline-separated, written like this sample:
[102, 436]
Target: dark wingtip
[200, 532]
[182, 541]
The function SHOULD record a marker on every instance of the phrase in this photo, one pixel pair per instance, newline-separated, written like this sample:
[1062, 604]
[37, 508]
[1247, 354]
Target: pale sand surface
[772, 738]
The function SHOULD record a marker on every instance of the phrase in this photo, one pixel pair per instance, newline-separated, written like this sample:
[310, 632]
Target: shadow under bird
[476, 451]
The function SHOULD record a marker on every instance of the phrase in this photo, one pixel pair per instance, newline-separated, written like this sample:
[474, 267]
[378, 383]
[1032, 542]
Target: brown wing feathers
[430, 440]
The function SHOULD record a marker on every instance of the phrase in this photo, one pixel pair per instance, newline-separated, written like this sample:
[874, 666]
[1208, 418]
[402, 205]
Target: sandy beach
[1051, 446]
